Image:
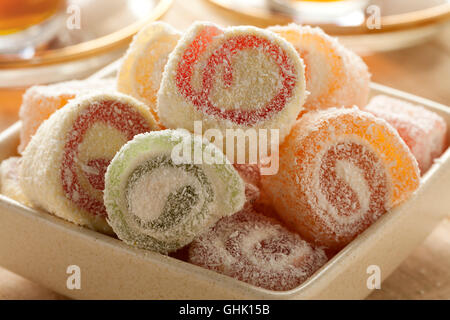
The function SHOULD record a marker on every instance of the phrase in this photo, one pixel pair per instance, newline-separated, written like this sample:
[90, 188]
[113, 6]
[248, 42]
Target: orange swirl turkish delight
[143, 65]
[340, 170]
[335, 76]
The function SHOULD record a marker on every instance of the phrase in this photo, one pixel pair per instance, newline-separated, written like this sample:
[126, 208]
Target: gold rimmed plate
[105, 29]
[105, 25]
[389, 24]
[394, 15]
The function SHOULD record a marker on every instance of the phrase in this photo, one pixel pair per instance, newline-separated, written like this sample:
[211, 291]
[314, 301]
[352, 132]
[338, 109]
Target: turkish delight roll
[143, 65]
[156, 201]
[258, 250]
[63, 167]
[340, 170]
[39, 102]
[9, 180]
[424, 131]
[335, 76]
[238, 77]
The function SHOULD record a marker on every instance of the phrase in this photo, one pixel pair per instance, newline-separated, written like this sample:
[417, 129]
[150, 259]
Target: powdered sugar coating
[238, 77]
[257, 250]
[158, 204]
[62, 167]
[335, 76]
[39, 102]
[9, 180]
[142, 67]
[423, 131]
[343, 168]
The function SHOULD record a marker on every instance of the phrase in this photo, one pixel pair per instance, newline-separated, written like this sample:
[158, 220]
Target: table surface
[423, 70]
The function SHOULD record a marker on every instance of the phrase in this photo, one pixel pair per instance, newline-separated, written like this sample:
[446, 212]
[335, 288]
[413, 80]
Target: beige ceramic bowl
[40, 247]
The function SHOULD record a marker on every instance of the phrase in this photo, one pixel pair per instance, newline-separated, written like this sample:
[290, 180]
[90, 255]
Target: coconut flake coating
[335, 76]
[157, 203]
[340, 170]
[238, 77]
[250, 176]
[423, 131]
[9, 180]
[39, 102]
[258, 250]
[255, 194]
[143, 65]
[63, 167]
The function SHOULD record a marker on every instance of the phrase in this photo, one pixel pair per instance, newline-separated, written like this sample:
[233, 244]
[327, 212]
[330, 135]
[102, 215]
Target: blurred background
[405, 43]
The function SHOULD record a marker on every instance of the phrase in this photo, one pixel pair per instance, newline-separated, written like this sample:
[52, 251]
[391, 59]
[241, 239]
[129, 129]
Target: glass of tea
[27, 24]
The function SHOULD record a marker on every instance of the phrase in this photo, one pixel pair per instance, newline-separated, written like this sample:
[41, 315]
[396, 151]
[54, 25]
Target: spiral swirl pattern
[64, 165]
[344, 168]
[256, 249]
[237, 77]
[156, 203]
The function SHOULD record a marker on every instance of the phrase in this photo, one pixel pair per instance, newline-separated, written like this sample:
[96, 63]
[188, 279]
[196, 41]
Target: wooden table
[423, 70]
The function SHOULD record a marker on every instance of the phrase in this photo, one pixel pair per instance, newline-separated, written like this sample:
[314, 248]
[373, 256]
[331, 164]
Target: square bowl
[41, 247]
